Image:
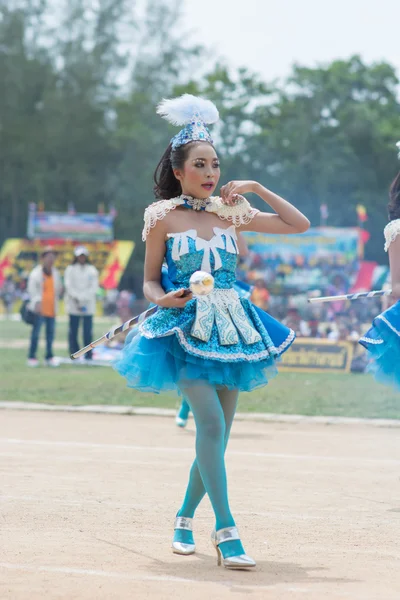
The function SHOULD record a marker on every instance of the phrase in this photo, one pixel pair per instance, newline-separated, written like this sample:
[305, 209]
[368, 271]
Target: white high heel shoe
[180, 422]
[228, 534]
[180, 547]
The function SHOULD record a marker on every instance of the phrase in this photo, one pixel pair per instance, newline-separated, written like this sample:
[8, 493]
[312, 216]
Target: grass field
[16, 330]
[290, 393]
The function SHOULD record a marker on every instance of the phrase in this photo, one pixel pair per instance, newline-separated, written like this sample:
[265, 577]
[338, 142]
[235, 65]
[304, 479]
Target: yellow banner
[18, 257]
[313, 356]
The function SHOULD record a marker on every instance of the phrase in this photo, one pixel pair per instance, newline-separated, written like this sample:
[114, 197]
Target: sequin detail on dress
[221, 339]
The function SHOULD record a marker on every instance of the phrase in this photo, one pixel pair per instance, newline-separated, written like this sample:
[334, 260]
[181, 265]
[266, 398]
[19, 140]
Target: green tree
[163, 61]
[329, 137]
[55, 113]
[25, 72]
[326, 135]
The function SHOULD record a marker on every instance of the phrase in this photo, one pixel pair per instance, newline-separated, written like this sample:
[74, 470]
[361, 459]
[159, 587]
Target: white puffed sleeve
[156, 212]
[391, 231]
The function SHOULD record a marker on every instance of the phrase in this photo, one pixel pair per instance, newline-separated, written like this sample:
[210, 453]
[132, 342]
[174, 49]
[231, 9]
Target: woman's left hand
[231, 192]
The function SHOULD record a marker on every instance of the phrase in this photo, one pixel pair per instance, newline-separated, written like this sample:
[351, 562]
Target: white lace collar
[239, 214]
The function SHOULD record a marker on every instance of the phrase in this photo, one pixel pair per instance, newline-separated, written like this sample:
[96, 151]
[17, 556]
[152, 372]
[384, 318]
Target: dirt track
[88, 503]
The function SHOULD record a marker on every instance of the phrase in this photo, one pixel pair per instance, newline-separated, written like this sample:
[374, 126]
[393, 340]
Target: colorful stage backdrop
[18, 257]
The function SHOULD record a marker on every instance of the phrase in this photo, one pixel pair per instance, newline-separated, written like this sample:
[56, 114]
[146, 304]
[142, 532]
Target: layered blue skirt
[383, 344]
[163, 361]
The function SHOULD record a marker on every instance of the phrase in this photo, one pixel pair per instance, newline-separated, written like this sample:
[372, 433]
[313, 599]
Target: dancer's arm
[287, 219]
[242, 245]
[155, 252]
[394, 258]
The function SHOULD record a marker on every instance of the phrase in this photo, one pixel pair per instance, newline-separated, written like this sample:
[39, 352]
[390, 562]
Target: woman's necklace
[195, 203]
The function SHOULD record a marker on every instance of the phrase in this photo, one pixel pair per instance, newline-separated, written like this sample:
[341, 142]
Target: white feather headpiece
[398, 148]
[180, 111]
[191, 112]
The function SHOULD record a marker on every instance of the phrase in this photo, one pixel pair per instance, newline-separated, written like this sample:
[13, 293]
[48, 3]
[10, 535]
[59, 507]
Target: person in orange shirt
[44, 289]
[260, 295]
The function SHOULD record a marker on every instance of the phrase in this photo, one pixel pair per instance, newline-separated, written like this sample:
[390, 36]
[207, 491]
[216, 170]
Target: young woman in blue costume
[244, 290]
[383, 339]
[209, 348]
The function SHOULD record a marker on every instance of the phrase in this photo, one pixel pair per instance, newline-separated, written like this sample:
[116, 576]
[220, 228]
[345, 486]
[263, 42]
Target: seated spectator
[260, 295]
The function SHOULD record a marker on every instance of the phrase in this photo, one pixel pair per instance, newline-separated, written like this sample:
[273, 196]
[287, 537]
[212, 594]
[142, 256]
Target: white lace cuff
[391, 231]
[239, 214]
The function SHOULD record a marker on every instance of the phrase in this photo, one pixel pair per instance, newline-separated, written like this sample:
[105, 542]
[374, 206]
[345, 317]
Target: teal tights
[213, 411]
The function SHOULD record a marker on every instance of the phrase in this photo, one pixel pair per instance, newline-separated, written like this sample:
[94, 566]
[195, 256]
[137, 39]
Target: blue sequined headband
[192, 112]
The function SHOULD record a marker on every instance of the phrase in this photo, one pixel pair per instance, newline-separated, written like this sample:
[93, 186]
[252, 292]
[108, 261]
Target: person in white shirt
[81, 282]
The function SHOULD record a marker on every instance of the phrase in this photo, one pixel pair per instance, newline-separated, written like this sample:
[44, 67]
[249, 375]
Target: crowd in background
[279, 287]
[282, 287]
[340, 320]
[336, 321]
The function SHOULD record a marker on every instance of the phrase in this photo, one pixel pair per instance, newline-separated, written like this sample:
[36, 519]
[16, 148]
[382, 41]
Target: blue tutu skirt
[159, 363]
[383, 344]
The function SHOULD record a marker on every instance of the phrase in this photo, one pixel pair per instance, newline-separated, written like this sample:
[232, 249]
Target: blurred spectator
[295, 322]
[81, 284]
[44, 289]
[332, 333]
[110, 302]
[125, 302]
[8, 295]
[260, 295]
[282, 274]
[338, 287]
[314, 329]
[125, 307]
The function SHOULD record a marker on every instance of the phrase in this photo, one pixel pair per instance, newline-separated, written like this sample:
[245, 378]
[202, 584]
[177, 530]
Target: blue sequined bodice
[187, 253]
[220, 338]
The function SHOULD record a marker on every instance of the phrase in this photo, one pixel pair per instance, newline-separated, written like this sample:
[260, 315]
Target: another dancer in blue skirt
[207, 347]
[383, 339]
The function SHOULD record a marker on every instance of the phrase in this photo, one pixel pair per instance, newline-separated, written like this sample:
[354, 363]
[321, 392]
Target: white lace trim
[286, 342]
[239, 214]
[370, 340]
[391, 231]
[157, 212]
[384, 319]
[271, 352]
[217, 355]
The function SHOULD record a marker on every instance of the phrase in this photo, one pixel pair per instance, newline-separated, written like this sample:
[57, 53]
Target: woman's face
[200, 173]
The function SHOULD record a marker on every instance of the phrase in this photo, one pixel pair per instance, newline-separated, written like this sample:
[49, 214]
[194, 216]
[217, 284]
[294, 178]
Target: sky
[268, 36]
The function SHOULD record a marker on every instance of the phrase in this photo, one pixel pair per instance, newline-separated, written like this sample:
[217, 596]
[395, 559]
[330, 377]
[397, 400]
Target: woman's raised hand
[231, 193]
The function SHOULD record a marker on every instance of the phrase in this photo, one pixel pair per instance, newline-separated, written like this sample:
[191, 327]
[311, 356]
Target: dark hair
[166, 184]
[394, 202]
